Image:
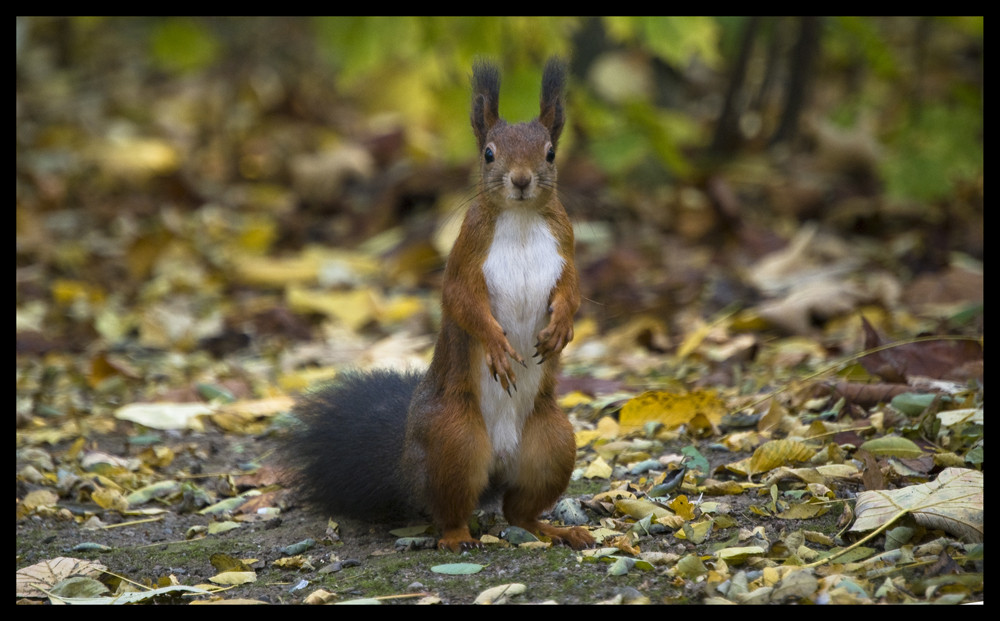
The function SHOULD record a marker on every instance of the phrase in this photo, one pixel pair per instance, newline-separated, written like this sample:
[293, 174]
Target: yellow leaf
[586, 436]
[138, 157]
[697, 532]
[608, 428]
[682, 507]
[641, 508]
[725, 488]
[598, 469]
[39, 498]
[574, 399]
[269, 406]
[804, 510]
[275, 272]
[352, 308]
[158, 457]
[778, 453]
[299, 380]
[773, 417]
[672, 522]
[742, 440]
[694, 339]
[109, 499]
[66, 292]
[234, 577]
[700, 407]
[401, 308]
[257, 235]
[736, 556]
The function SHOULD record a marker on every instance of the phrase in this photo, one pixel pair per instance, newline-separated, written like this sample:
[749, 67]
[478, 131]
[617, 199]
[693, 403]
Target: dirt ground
[365, 562]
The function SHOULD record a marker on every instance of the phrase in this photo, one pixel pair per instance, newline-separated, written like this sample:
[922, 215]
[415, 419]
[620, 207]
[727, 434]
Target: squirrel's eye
[488, 155]
[551, 155]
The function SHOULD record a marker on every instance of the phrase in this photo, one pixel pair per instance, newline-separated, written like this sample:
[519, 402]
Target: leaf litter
[787, 422]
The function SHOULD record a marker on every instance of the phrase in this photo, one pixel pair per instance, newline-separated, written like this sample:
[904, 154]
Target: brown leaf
[945, 565]
[936, 359]
[872, 475]
[868, 395]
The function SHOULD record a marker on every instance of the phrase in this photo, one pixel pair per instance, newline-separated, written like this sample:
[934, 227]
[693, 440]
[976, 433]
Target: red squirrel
[482, 422]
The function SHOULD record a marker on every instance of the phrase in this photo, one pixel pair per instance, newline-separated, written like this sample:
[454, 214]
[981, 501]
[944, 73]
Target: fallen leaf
[598, 469]
[700, 408]
[682, 507]
[641, 508]
[938, 359]
[165, 415]
[45, 574]
[500, 594]
[234, 578]
[892, 446]
[455, 569]
[953, 502]
[778, 453]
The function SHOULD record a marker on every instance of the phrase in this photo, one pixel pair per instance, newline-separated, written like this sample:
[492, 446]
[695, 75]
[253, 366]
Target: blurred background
[282, 192]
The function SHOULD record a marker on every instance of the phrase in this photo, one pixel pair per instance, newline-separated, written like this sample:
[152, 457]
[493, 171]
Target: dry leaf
[46, 574]
[937, 359]
[778, 453]
[700, 408]
[953, 502]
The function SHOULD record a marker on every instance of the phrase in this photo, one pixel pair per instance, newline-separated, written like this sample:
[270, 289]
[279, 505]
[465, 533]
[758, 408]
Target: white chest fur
[521, 269]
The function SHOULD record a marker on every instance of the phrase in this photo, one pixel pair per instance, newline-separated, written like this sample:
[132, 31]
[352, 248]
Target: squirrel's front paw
[498, 357]
[553, 339]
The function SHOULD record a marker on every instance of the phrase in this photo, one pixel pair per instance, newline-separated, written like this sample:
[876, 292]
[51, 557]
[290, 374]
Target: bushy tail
[345, 454]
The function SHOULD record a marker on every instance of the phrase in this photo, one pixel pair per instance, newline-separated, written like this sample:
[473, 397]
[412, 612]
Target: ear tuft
[485, 98]
[551, 112]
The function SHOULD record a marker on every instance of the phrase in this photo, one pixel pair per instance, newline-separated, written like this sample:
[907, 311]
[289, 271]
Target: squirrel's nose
[520, 180]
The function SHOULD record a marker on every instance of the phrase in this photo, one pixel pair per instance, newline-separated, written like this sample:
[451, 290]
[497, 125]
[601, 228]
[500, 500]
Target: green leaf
[893, 446]
[457, 569]
[154, 490]
[912, 403]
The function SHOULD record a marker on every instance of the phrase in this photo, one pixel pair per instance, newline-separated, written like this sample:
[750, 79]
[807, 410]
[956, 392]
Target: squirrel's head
[518, 161]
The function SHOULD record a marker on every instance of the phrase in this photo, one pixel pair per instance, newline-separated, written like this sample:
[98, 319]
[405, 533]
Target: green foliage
[418, 67]
[624, 137]
[180, 45]
[934, 138]
[942, 147]
[626, 126]
[853, 36]
[675, 40]
[414, 71]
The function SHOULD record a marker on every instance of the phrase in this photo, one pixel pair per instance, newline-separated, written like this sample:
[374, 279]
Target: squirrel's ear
[485, 99]
[551, 113]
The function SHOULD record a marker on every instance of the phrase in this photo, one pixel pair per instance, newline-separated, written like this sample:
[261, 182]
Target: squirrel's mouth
[522, 195]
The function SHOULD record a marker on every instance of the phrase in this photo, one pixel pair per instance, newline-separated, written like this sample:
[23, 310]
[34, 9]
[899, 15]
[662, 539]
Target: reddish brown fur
[447, 442]
[462, 437]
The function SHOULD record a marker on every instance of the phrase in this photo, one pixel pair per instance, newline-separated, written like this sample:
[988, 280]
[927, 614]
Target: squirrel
[482, 422]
